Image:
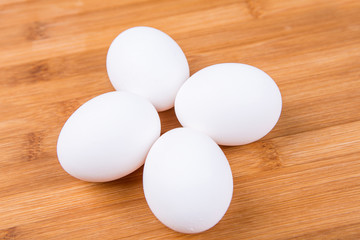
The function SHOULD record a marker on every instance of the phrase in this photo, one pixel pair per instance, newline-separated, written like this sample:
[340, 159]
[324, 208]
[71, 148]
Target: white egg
[233, 103]
[108, 137]
[187, 181]
[148, 62]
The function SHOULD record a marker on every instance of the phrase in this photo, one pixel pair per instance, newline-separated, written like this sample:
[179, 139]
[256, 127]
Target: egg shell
[187, 181]
[233, 103]
[108, 137]
[148, 62]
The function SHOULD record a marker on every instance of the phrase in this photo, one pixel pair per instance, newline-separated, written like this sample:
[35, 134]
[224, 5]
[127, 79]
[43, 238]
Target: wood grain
[301, 181]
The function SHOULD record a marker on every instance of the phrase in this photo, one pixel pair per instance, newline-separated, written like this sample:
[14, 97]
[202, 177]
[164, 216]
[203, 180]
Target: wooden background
[302, 181]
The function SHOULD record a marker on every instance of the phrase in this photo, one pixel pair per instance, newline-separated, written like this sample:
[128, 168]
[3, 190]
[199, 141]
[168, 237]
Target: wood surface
[301, 181]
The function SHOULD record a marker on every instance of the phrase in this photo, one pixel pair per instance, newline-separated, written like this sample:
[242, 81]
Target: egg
[148, 62]
[233, 103]
[187, 181]
[108, 137]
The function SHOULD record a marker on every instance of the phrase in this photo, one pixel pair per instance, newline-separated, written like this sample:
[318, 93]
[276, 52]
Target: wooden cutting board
[301, 181]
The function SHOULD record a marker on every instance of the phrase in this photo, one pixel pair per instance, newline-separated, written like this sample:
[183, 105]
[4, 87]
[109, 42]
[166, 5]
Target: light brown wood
[301, 181]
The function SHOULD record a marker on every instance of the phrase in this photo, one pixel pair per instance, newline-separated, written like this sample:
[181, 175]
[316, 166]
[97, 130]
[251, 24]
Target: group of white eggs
[187, 179]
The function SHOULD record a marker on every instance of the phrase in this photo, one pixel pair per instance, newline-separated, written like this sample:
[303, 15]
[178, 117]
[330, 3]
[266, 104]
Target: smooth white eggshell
[187, 181]
[233, 103]
[148, 62]
[108, 137]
